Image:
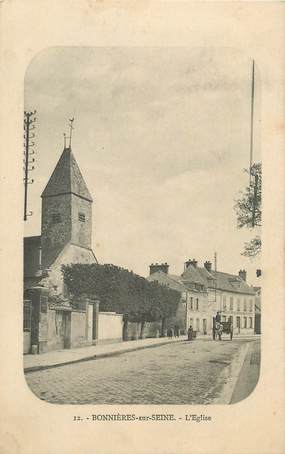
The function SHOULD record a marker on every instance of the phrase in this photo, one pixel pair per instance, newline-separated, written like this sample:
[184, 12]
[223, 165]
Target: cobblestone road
[183, 373]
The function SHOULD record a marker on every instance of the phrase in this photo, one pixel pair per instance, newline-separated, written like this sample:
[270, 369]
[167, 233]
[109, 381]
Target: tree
[249, 210]
[121, 291]
[253, 247]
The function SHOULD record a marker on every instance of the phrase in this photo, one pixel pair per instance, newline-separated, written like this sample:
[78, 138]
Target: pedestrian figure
[176, 331]
[190, 333]
[218, 317]
[219, 328]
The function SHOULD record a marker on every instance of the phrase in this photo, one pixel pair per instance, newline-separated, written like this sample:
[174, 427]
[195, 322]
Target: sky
[162, 138]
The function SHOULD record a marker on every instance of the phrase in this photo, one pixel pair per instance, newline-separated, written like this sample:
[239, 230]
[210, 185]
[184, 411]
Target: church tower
[66, 210]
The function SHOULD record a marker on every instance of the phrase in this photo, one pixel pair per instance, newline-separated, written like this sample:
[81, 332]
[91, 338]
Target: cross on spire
[71, 120]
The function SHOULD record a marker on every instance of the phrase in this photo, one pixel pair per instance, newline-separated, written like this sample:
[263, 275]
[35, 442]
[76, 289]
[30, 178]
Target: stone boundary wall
[79, 333]
[110, 327]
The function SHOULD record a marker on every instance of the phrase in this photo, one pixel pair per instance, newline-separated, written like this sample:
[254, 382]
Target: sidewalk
[249, 374]
[70, 356]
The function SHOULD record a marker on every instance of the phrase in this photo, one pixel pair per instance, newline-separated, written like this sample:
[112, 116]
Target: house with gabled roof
[205, 292]
[193, 307]
[228, 294]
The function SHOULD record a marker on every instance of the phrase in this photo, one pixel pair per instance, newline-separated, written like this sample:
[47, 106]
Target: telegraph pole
[254, 199]
[29, 120]
[215, 267]
[251, 123]
[252, 173]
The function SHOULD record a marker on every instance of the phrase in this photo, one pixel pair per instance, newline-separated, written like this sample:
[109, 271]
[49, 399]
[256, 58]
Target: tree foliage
[248, 206]
[252, 247]
[249, 210]
[121, 291]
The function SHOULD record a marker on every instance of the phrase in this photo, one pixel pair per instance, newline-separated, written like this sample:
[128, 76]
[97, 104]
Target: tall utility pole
[29, 120]
[251, 124]
[254, 199]
[253, 177]
[215, 268]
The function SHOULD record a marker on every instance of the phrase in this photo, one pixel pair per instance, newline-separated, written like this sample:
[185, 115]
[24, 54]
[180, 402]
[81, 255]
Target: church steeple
[67, 178]
[66, 209]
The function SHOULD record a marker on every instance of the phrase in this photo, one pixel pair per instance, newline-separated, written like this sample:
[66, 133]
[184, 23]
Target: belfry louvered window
[81, 217]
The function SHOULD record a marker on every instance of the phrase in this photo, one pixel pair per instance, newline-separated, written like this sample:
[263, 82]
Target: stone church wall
[70, 254]
[56, 232]
[81, 230]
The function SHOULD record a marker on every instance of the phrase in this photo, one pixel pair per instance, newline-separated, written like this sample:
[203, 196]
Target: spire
[67, 178]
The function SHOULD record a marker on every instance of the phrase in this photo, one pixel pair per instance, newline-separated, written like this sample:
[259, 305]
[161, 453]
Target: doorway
[62, 329]
[238, 324]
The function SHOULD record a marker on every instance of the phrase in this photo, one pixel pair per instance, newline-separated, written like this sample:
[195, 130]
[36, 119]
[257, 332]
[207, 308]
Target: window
[197, 304]
[81, 217]
[191, 303]
[238, 304]
[191, 322]
[250, 305]
[238, 322]
[56, 218]
[224, 303]
[244, 305]
[245, 322]
[250, 322]
[231, 303]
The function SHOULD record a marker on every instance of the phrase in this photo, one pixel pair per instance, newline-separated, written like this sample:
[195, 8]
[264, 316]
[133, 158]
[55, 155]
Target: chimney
[154, 267]
[242, 275]
[189, 262]
[208, 266]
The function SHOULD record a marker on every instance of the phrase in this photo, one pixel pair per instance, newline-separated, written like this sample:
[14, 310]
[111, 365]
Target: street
[178, 373]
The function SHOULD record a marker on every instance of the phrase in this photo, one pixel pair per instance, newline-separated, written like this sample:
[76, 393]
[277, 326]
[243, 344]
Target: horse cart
[220, 328]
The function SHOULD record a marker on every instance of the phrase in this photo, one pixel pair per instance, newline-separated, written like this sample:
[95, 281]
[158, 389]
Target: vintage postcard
[143, 227]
